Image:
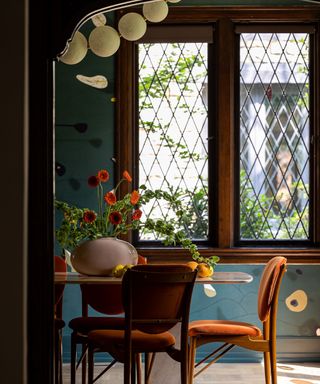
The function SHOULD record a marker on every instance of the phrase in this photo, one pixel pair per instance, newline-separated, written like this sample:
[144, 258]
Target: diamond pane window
[173, 131]
[274, 136]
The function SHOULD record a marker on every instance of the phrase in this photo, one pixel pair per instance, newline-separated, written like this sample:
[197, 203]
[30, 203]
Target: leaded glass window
[274, 136]
[173, 131]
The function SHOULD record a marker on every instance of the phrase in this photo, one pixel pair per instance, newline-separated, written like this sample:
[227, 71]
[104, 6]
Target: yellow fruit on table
[204, 270]
[192, 264]
[118, 270]
[127, 266]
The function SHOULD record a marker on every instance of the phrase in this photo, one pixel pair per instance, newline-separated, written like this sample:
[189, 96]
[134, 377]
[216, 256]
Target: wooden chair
[107, 300]
[232, 333]
[155, 298]
[59, 266]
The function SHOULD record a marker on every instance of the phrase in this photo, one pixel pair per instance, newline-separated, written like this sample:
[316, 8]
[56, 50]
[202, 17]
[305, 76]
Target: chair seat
[222, 328]
[107, 339]
[86, 324]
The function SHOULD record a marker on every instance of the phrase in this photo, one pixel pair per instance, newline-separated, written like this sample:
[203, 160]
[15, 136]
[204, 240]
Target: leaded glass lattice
[274, 136]
[173, 153]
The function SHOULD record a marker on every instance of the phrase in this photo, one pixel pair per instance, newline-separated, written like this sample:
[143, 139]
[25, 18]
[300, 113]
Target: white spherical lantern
[99, 20]
[104, 41]
[155, 12]
[76, 51]
[132, 26]
[173, 1]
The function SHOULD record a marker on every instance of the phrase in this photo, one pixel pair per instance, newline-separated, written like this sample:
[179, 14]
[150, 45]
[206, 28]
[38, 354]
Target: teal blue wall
[83, 154]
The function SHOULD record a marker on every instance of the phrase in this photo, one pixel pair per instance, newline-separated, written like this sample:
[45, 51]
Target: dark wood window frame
[225, 20]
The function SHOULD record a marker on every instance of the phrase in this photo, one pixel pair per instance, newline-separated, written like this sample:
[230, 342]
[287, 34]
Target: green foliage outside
[261, 217]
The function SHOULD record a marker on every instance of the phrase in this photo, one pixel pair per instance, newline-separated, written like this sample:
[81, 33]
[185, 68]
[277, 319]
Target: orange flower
[137, 214]
[115, 218]
[134, 198]
[103, 175]
[110, 198]
[127, 176]
[93, 181]
[89, 216]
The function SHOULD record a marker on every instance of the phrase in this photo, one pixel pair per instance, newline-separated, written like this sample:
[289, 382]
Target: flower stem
[118, 185]
[107, 219]
[100, 206]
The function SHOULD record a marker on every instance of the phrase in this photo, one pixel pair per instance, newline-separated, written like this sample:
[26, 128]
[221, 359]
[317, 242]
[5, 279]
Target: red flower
[134, 198]
[103, 175]
[137, 214]
[93, 181]
[110, 198]
[89, 216]
[127, 176]
[115, 218]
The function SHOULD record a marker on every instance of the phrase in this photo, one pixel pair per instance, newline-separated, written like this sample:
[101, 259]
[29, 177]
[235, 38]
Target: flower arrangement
[114, 217]
[118, 216]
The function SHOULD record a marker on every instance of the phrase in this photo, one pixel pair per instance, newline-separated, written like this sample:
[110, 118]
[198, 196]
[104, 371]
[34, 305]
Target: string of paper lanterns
[104, 41]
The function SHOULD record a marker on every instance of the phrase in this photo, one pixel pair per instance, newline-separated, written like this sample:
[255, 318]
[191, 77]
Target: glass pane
[173, 131]
[274, 136]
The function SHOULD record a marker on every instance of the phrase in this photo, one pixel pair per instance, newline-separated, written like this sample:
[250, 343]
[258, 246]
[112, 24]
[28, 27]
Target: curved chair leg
[267, 367]
[273, 361]
[84, 364]
[126, 370]
[73, 360]
[138, 366]
[57, 358]
[60, 360]
[90, 365]
[192, 358]
[148, 362]
[133, 368]
[184, 369]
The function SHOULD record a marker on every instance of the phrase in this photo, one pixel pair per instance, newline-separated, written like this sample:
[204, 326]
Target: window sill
[236, 255]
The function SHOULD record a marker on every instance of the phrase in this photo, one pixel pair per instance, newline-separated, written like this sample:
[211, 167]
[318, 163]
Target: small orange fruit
[142, 260]
[204, 270]
[192, 264]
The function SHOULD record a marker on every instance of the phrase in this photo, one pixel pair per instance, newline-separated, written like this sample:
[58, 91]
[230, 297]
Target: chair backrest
[156, 297]
[106, 299]
[269, 285]
[59, 266]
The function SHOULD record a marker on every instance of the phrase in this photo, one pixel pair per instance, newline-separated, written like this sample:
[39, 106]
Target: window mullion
[225, 127]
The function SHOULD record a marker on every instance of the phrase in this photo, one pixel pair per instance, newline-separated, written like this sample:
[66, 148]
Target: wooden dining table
[216, 278]
[165, 370]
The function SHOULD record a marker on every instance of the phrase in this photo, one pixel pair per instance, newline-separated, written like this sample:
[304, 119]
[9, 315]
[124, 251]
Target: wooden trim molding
[243, 14]
[224, 20]
[234, 255]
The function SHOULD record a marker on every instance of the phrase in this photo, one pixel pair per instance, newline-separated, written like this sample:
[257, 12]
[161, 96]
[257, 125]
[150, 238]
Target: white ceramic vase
[98, 257]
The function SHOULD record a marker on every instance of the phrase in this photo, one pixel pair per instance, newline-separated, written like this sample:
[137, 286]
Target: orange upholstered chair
[155, 298]
[105, 299]
[232, 333]
[59, 266]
